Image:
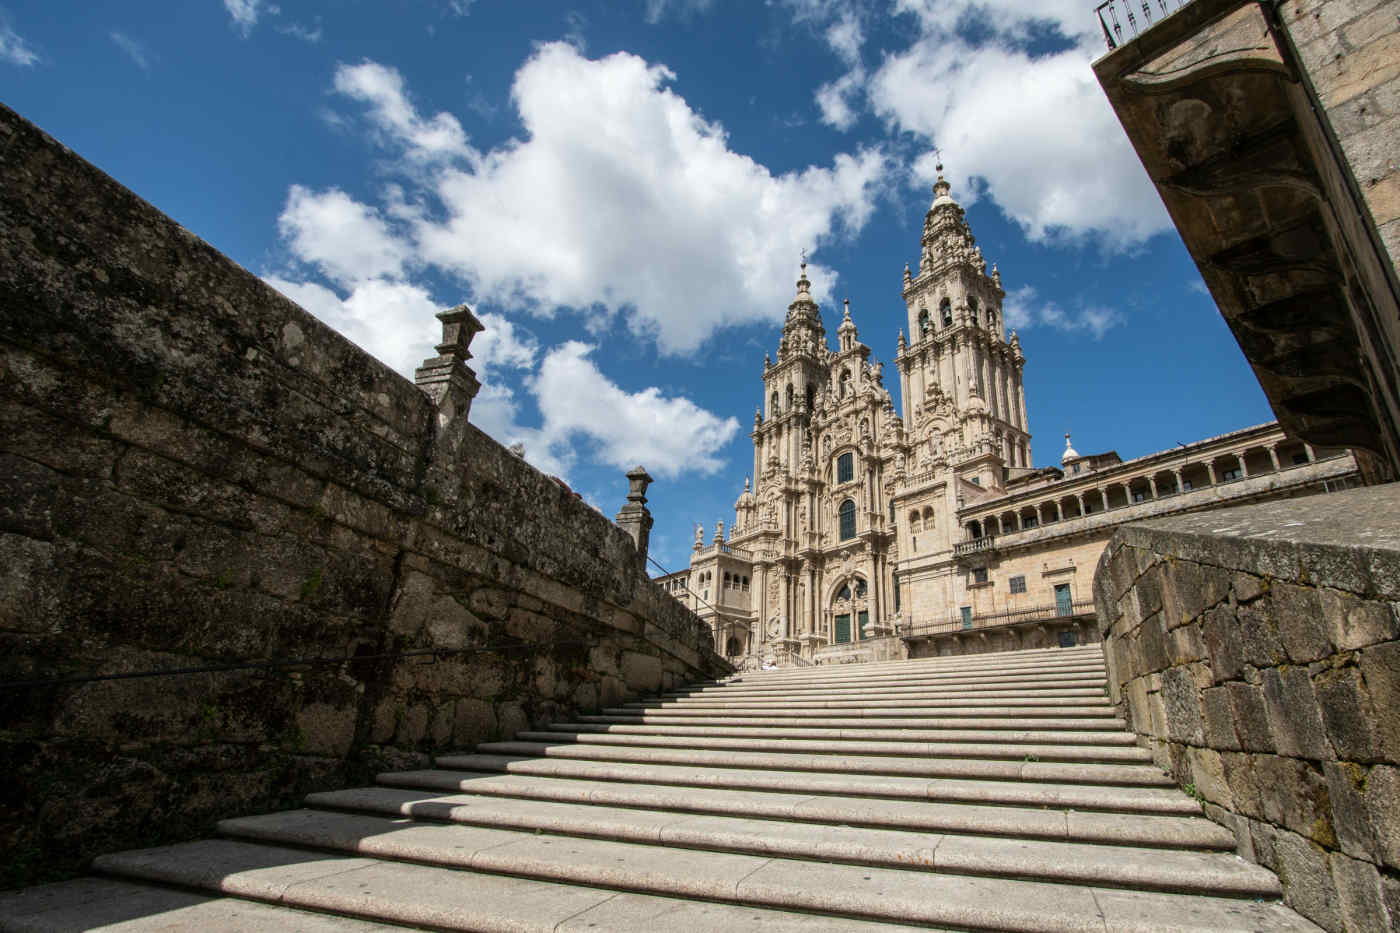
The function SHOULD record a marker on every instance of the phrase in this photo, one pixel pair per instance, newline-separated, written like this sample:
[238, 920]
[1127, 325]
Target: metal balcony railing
[1134, 16]
[920, 629]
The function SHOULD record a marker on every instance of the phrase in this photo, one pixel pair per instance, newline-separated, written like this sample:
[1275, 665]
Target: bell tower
[960, 378]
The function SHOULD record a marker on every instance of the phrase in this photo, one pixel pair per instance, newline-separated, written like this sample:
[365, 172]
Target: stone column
[1082, 510]
[1210, 471]
[1312, 454]
[1020, 402]
[1244, 471]
[1180, 483]
[1273, 455]
[1152, 484]
[635, 517]
[904, 390]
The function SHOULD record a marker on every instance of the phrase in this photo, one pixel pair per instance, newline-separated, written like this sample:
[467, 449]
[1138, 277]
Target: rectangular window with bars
[1018, 584]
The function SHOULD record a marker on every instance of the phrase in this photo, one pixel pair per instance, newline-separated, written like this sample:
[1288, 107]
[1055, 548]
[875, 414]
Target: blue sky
[622, 191]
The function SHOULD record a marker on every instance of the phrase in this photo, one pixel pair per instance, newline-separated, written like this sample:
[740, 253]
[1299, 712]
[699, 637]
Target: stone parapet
[241, 559]
[1256, 651]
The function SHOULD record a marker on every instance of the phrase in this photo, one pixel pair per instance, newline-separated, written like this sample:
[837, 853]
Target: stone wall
[1254, 649]
[198, 473]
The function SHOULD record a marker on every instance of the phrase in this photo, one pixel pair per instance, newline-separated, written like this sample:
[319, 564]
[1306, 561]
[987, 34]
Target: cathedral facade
[866, 536]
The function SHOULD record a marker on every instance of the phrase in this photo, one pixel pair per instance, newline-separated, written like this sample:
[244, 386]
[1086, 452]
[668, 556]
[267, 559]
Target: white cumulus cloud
[1023, 309]
[1032, 129]
[245, 14]
[382, 90]
[621, 199]
[668, 436]
[348, 241]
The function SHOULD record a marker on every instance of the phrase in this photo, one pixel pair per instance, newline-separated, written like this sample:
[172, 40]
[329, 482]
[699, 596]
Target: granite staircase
[993, 792]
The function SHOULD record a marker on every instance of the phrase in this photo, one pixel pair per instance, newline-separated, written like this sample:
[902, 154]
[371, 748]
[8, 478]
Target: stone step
[1049, 707]
[1022, 719]
[1069, 696]
[991, 856]
[129, 907]
[1043, 657]
[423, 896]
[975, 678]
[1025, 792]
[1023, 768]
[395, 884]
[1012, 678]
[1042, 752]
[1011, 735]
[1141, 829]
[853, 675]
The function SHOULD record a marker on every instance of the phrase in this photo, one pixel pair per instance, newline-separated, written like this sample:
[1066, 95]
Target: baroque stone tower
[847, 504]
[960, 380]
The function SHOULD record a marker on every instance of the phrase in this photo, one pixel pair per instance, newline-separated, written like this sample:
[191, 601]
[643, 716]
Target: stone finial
[719, 532]
[446, 378]
[907, 276]
[699, 536]
[635, 517]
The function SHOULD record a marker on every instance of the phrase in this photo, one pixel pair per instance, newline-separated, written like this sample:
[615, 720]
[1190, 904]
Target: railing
[725, 549]
[1000, 619]
[1115, 14]
[975, 546]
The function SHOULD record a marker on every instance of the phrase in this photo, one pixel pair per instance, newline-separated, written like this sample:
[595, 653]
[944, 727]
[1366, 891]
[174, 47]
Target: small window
[979, 575]
[894, 584]
[773, 404]
[1186, 485]
[892, 512]
[923, 322]
[1018, 584]
[977, 481]
[1229, 475]
[847, 515]
[1140, 495]
[945, 310]
[860, 588]
[845, 468]
[746, 584]
[1030, 521]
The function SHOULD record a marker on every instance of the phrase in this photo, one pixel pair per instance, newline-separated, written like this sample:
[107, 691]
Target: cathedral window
[847, 514]
[845, 468]
[923, 322]
[945, 311]
[811, 397]
[844, 388]
[861, 588]
[894, 585]
[773, 405]
[979, 575]
[789, 396]
[972, 306]
[845, 593]
[914, 520]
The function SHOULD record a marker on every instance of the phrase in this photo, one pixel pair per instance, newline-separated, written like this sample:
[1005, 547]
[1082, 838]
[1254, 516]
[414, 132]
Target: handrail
[956, 623]
[1121, 11]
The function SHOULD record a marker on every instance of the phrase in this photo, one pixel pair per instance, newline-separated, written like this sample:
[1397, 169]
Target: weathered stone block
[1152, 644]
[1185, 644]
[641, 672]
[473, 721]
[1294, 719]
[1359, 895]
[1382, 792]
[1351, 819]
[1258, 639]
[1380, 669]
[1222, 633]
[1354, 623]
[1219, 719]
[1251, 717]
[1294, 795]
[511, 718]
[1243, 780]
[1296, 612]
[1247, 587]
[1307, 882]
[1183, 706]
[1347, 714]
[1208, 774]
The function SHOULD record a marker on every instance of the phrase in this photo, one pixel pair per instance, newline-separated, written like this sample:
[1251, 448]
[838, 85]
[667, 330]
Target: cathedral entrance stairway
[995, 792]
